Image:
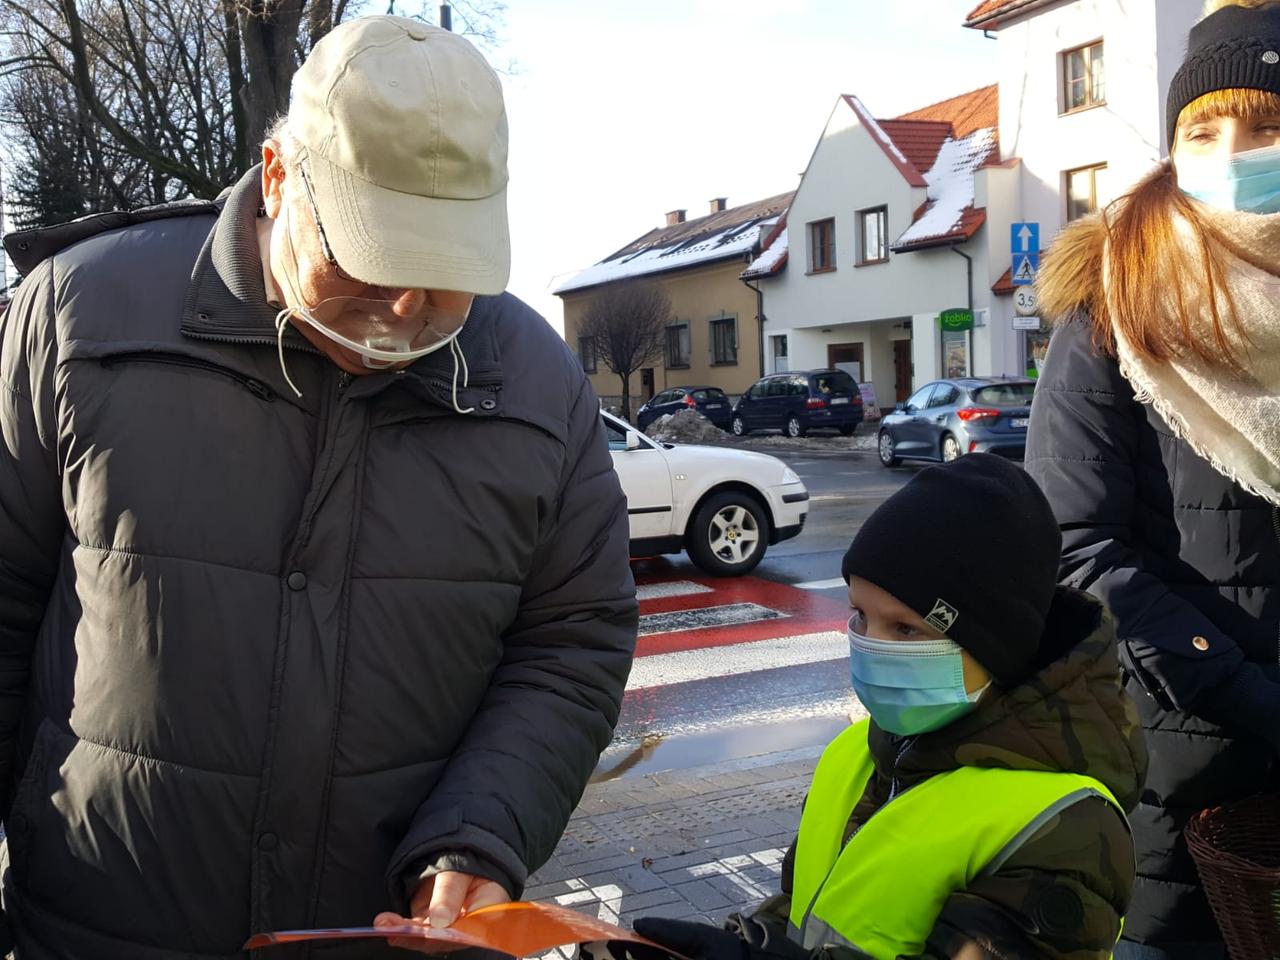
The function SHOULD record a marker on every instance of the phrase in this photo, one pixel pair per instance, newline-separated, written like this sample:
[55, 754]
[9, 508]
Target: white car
[723, 506]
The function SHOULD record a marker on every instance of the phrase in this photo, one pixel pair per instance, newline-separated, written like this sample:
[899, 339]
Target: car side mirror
[633, 440]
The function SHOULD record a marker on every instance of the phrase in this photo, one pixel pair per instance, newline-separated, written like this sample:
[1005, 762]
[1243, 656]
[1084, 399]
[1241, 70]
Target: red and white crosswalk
[693, 629]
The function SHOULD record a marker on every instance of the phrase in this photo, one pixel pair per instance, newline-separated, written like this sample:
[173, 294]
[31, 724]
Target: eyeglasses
[324, 240]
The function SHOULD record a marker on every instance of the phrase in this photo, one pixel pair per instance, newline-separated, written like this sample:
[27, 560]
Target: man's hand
[441, 899]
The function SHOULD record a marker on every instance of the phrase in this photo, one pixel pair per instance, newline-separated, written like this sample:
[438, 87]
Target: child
[980, 811]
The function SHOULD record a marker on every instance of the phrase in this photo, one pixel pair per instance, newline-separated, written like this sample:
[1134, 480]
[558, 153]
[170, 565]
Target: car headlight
[790, 476]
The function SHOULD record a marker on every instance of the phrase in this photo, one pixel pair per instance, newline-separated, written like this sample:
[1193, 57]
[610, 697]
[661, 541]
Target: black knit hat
[1232, 47]
[972, 546]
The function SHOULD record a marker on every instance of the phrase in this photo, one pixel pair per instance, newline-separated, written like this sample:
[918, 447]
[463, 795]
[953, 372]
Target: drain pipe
[759, 321]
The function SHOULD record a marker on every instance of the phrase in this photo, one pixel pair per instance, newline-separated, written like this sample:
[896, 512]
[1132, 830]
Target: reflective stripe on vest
[883, 892]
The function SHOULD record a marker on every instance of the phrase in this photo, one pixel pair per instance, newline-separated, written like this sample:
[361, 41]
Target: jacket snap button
[488, 404]
[297, 580]
[1200, 643]
[267, 842]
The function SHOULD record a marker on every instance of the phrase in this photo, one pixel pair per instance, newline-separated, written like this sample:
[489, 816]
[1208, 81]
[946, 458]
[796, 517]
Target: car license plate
[714, 406]
[836, 401]
[1019, 423]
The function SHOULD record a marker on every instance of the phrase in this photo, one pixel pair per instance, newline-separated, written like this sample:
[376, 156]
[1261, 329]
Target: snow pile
[950, 185]
[684, 426]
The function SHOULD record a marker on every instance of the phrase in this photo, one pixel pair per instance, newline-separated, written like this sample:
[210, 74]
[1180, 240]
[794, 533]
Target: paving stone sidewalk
[692, 844]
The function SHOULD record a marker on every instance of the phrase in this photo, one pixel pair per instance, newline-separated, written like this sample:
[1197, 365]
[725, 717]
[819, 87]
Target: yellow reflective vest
[882, 891]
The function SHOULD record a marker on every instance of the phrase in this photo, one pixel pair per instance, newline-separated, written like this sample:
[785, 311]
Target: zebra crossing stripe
[678, 588]
[678, 621]
[704, 663]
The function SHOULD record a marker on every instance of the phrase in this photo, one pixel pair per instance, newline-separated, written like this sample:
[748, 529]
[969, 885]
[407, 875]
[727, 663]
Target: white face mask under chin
[455, 348]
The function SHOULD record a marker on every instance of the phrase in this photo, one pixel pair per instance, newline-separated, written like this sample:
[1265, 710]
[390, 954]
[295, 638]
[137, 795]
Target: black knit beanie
[1232, 47]
[973, 547]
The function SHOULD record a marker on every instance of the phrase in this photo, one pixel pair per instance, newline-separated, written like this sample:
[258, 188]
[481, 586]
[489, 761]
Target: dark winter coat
[1189, 564]
[1062, 894]
[265, 660]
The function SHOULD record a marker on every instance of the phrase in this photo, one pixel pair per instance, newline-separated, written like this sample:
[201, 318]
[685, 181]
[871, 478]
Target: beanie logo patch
[1271, 57]
[943, 616]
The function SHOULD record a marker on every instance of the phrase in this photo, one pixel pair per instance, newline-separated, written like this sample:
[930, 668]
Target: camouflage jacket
[1062, 895]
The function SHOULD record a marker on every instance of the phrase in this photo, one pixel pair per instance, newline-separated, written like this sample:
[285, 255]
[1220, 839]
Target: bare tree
[627, 321]
[186, 88]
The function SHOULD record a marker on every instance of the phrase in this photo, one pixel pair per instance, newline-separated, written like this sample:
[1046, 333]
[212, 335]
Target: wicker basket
[1236, 849]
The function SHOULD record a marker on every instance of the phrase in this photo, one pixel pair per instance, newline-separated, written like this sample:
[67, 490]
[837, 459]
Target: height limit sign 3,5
[1024, 244]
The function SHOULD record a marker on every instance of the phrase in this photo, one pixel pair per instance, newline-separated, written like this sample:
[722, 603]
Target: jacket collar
[227, 302]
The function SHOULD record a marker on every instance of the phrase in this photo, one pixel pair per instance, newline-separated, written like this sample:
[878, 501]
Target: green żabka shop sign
[956, 320]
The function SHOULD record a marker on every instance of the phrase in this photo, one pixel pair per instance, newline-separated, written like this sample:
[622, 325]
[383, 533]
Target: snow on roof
[950, 192]
[736, 240]
[770, 261]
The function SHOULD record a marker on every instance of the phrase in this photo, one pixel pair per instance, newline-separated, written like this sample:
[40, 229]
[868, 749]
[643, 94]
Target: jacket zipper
[1275, 528]
[256, 387]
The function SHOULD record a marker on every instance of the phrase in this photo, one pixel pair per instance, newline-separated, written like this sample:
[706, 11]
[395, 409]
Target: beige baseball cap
[403, 135]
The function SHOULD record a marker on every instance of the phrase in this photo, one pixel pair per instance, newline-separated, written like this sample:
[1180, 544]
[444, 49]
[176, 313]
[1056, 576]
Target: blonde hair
[1213, 6]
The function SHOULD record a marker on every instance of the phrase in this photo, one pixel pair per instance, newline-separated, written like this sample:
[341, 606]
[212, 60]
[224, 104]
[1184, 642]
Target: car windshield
[835, 382]
[711, 393]
[1006, 394]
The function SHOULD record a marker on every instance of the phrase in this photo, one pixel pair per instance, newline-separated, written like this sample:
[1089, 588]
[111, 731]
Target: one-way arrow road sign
[1024, 238]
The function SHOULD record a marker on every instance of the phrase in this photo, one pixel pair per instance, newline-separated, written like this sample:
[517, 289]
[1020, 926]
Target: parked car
[949, 418]
[711, 402]
[725, 507]
[798, 402]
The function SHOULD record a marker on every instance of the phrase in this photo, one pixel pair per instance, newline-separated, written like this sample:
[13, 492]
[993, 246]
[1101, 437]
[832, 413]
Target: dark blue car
[798, 402]
[946, 419]
[711, 402]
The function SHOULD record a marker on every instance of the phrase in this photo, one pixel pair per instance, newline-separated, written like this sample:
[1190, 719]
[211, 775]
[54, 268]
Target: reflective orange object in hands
[519, 929]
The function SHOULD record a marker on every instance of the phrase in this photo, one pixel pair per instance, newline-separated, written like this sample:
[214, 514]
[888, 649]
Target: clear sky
[621, 110]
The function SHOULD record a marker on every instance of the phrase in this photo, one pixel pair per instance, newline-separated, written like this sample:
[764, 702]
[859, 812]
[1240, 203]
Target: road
[729, 668]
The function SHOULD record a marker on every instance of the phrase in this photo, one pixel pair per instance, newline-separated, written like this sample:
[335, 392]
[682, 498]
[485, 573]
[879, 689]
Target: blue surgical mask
[1248, 181]
[910, 687]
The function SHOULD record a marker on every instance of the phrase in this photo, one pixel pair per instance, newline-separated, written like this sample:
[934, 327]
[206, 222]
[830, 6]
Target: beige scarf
[1232, 420]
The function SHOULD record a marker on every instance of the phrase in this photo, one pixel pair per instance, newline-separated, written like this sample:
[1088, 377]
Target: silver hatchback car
[946, 419]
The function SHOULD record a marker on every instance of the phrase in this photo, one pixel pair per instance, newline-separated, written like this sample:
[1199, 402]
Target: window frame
[1092, 169]
[1064, 81]
[582, 358]
[814, 226]
[882, 212]
[715, 323]
[684, 345]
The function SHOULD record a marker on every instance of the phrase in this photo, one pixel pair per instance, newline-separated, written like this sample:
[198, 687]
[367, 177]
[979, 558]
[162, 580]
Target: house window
[1082, 190]
[724, 340]
[587, 353]
[1083, 83]
[873, 225]
[822, 246]
[677, 346]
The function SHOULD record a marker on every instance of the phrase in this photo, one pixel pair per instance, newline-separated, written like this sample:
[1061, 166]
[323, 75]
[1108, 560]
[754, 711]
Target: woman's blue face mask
[910, 686]
[1248, 181]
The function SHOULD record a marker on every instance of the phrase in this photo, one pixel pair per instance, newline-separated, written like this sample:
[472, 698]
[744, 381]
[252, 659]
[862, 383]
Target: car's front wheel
[728, 534]
[739, 427]
[884, 447]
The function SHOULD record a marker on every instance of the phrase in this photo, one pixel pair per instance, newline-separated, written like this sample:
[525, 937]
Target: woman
[1155, 433]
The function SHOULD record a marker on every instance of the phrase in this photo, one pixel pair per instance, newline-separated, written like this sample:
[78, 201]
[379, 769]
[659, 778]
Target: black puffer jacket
[264, 660]
[1189, 564]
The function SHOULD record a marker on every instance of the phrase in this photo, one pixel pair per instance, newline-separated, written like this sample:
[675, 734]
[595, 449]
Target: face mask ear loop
[458, 357]
[282, 318]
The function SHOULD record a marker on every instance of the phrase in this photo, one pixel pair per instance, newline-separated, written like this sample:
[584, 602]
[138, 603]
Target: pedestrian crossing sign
[1025, 267]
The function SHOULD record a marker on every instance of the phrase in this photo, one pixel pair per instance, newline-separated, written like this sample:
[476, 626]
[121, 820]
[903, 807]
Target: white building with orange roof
[885, 233]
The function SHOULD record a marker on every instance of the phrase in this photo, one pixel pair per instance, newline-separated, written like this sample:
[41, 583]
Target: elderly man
[314, 595]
